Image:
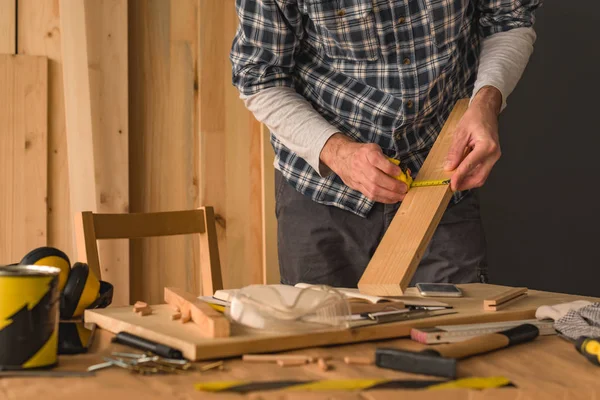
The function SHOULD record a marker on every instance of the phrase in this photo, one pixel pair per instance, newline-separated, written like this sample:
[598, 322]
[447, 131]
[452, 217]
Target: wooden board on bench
[160, 328]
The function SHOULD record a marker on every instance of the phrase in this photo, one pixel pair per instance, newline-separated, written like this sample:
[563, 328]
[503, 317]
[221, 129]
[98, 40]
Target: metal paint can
[29, 303]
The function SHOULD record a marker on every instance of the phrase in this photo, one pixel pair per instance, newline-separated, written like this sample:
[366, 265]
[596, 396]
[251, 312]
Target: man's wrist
[489, 98]
[332, 148]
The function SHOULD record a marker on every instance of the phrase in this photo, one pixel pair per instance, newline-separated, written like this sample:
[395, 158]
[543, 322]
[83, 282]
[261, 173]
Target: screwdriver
[590, 348]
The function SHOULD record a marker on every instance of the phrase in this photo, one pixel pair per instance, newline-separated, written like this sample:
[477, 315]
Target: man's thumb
[456, 152]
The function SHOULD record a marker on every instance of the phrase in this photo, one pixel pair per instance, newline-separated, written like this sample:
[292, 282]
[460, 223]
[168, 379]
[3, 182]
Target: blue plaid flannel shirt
[381, 71]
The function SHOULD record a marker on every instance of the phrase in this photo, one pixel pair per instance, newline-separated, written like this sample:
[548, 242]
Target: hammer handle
[482, 344]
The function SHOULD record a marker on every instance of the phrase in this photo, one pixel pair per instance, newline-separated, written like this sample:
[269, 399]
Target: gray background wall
[540, 208]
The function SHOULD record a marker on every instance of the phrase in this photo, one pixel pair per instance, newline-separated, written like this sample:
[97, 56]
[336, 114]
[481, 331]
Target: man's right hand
[363, 167]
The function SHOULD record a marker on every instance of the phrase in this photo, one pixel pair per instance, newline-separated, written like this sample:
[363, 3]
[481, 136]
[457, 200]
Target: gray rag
[584, 321]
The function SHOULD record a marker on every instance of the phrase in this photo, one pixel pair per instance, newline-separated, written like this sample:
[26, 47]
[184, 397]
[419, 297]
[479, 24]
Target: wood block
[400, 251]
[144, 311]
[324, 365]
[290, 363]
[504, 296]
[211, 323]
[272, 358]
[505, 304]
[357, 360]
[23, 155]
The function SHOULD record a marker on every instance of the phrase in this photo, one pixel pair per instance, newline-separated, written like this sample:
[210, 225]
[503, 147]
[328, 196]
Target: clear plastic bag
[283, 308]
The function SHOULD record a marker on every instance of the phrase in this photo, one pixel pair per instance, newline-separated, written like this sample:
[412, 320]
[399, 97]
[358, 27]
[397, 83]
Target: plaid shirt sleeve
[504, 15]
[268, 34]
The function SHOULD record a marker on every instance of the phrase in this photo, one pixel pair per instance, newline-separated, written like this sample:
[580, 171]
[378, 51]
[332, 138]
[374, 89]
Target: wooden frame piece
[212, 323]
[400, 251]
[91, 227]
[504, 299]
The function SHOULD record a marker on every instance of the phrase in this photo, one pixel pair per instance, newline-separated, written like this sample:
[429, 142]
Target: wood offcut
[210, 322]
[504, 299]
[398, 255]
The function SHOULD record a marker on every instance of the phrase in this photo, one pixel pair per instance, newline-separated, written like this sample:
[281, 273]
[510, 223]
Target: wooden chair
[91, 227]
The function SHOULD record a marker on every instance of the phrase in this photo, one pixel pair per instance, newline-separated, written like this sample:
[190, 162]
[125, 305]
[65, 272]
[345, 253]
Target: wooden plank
[400, 251]
[23, 155]
[106, 22]
[505, 296]
[163, 35]
[159, 327]
[504, 304]
[230, 150]
[270, 255]
[39, 34]
[137, 225]
[210, 323]
[78, 107]
[8, 26]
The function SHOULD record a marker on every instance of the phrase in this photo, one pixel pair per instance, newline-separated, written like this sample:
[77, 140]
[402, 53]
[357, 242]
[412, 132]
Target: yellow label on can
[28, 317]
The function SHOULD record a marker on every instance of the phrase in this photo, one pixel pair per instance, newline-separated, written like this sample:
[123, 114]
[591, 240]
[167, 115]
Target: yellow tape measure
[407, 178]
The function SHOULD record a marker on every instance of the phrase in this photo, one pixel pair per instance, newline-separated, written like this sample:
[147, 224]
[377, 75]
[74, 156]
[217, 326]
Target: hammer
[441, 361]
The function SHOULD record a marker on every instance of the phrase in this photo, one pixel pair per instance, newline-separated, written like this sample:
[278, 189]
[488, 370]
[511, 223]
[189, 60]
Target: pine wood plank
[8, 26]
[106, 23]
[159, 327]
[503, 297]
[23, 155]
[231, 155]
[210, 323]
[39, 34]
[78, 107]
[398, 255]
[163, 114]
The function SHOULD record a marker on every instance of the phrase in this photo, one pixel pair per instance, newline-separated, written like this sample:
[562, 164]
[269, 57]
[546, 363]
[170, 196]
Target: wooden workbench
[548, 368]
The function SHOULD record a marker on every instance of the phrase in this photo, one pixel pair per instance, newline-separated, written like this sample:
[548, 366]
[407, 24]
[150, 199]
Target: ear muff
[81, 290]
[51, 257]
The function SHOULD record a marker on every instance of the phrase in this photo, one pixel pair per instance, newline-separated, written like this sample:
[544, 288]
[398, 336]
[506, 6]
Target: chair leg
[210, 264]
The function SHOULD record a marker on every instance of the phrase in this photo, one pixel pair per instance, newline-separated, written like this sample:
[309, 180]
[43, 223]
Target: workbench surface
[547, 368]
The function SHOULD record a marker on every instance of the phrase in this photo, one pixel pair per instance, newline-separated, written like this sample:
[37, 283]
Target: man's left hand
[475, 146]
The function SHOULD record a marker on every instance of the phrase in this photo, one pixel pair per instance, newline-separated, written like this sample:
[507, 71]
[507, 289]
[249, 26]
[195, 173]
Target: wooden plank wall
[39, 33]
[23, 152]
[161, 82]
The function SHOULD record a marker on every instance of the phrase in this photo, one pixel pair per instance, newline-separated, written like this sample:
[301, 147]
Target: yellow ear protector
[49, 256]
[80, 289]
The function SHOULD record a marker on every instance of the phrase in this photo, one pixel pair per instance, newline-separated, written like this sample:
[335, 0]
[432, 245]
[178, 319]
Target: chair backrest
[91, 227]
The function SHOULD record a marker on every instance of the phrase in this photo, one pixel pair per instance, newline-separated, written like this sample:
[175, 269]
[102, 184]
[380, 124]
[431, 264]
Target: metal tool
[405, 176]
[397, 316]
[147, 345]
[144, 363]
[441, 360]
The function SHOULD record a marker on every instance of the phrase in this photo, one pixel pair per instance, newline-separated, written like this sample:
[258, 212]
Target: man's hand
[475, 146]
[363, 167]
